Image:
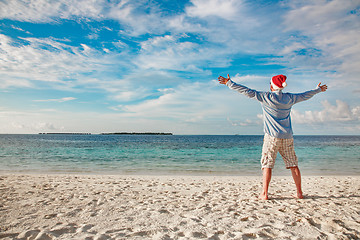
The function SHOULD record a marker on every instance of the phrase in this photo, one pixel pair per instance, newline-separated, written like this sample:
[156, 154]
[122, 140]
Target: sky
[102, 66]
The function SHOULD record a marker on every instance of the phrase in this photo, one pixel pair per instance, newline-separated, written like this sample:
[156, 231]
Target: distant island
[136, 133]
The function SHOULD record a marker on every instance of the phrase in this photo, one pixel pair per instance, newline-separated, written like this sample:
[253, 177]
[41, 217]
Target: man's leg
[287, 152]
[295, 171]
[267, 172]
[268, 156]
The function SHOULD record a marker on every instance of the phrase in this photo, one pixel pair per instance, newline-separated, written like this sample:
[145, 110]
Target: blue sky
[112, 66]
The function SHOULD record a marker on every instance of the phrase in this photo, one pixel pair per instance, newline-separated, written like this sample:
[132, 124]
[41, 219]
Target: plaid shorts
[272, 146]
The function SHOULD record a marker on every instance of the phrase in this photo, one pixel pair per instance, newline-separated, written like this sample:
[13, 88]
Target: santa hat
[278, 82]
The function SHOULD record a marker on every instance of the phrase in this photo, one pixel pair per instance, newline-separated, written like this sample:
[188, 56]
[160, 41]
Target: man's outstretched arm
[299, 97]
[241, 88]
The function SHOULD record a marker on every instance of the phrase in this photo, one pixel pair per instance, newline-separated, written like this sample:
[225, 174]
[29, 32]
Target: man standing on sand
[277, 126]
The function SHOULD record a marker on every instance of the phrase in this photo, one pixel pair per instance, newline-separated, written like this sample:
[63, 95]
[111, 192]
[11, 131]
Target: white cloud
[46, 60]
[130, 13]
[65, 99]
[245, 123]
[295, 46]
[169, 53]
[158, 41]
[28, 122]
[49, 11]
[245, 79]
[45, 126]
[137, 85]
[341, 112]
[123, 95]
[226, 9]
[228, 26]
[135, 23]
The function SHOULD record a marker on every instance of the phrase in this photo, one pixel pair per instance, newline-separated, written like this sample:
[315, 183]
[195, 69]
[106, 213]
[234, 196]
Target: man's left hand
[323, 87]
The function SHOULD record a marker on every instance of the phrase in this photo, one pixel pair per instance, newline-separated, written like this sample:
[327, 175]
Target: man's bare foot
[299, 196]
[263, 196]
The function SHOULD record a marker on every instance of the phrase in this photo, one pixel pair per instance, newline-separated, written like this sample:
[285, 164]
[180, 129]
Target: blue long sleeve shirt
[276, 107]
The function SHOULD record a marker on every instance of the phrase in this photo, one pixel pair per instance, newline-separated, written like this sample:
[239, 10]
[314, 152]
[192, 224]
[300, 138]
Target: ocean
[171, 154]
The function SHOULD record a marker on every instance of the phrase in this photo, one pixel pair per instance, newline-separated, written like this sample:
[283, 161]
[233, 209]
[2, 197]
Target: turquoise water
[171, 154]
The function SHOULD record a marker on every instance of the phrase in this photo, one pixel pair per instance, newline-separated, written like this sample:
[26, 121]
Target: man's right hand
[323, 87]
[223, 80]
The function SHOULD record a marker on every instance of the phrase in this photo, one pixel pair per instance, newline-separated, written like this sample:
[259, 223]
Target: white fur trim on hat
[284, 84]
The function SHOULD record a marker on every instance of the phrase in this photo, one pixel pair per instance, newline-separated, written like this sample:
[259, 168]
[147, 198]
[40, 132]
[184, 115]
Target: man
[277, 126]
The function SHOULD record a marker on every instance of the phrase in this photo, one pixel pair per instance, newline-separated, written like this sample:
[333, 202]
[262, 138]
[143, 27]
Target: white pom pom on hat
[278, 82]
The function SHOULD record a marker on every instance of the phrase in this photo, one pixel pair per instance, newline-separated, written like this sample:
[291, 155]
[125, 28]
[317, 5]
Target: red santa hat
[278, 82]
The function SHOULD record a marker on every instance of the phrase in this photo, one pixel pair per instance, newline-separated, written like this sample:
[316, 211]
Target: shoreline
[276, 173]
[72, 206]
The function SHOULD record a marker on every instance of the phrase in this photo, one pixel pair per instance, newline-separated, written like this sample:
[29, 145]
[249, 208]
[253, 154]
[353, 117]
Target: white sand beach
[176, 207]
